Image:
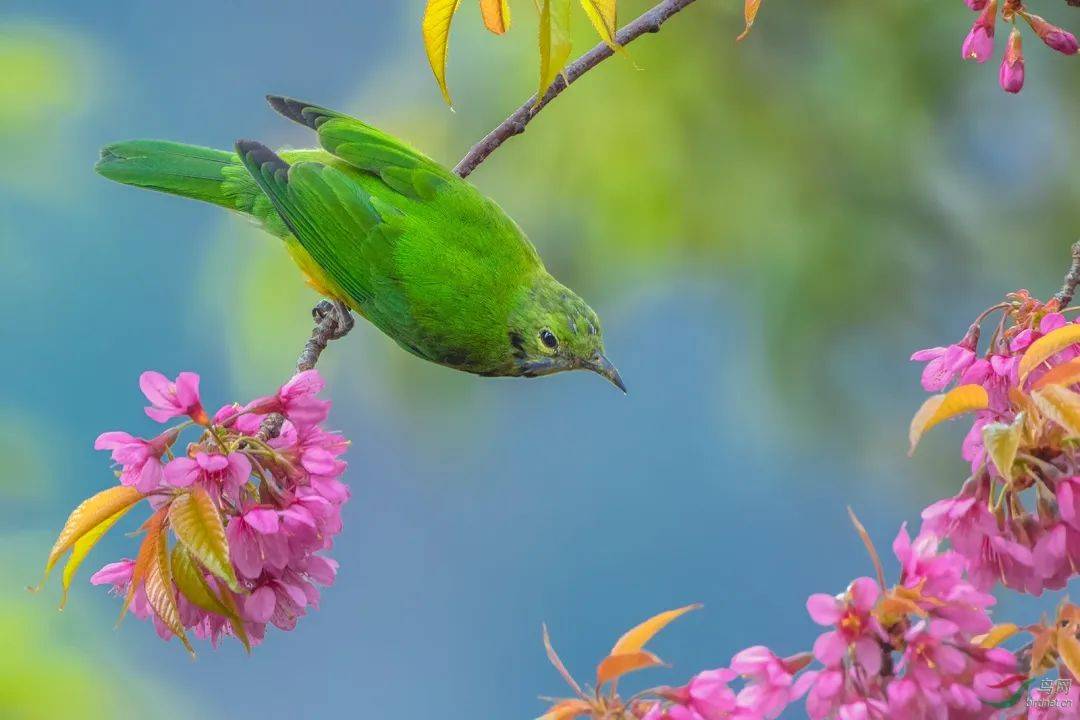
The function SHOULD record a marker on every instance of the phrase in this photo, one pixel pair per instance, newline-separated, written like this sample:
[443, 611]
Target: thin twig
[649, 22]
[332, 321]
[1064, 296]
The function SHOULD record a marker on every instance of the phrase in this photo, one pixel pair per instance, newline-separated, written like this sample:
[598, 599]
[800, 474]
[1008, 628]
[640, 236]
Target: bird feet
[339, 315]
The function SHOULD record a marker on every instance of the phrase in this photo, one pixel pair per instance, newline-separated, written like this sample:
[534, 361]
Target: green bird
[387, 232]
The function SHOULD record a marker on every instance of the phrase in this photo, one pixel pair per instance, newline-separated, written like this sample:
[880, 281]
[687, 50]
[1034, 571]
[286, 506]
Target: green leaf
[602, 14]
[191, 582]
[1001, 442]
[555, 43]
[82, 548]
[436, 30]
[197, 523]
[87, 516]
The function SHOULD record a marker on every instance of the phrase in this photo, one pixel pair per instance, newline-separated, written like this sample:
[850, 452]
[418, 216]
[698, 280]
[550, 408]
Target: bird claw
[344, 321]
[338, 313]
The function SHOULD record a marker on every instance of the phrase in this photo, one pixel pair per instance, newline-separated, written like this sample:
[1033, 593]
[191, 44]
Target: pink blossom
[943, 365]
[1054, 37]
[976, 4]
[1011, 75]
[856, 628]
[979, 43]
[140, 459]
[296, 400]
[169, 399]
[770, 685]
[217, 474]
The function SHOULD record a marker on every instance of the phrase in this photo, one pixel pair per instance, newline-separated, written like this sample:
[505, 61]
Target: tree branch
[1064, 296]
[333, 320]
[649, 22]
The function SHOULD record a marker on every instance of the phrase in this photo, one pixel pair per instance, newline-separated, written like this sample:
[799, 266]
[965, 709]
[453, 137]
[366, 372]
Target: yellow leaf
[997, 635]
[160, 592]
[1046, 347]
[87, 516]
[496, 15]
[555, 42]
[82, 548]
[1060, 405]
[192, 584]
[566, 710]
[750, 10]
[939, 408]
[602, 14]
[197, 523]
[1001, 442]
[1068, 648]
[615, 666]
[1065, 374]
[436, 30]
[635, 638]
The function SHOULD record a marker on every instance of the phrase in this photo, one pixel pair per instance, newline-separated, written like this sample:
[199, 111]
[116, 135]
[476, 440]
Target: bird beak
[602, 366]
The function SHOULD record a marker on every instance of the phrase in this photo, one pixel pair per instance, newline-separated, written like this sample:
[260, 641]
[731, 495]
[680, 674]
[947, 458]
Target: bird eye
[549, 339]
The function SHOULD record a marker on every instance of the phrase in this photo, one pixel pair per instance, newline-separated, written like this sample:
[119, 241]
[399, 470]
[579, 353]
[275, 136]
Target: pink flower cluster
[1024, 530]
[903, 653]
[279, 498]
[979, 43]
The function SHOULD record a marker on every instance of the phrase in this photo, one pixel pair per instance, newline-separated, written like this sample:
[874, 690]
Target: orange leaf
[635, 639]
[496, 15]
[750, 10]
[939, 408]
[88, 515]
[615, 666]
[1065, 374]
[566, 710]
[436, 31]
[1060, 405]
[1068, 648]
[154, 527]
[160, 592]
[1046, 347]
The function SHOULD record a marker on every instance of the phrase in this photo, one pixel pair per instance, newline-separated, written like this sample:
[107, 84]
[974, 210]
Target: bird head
[553, 330]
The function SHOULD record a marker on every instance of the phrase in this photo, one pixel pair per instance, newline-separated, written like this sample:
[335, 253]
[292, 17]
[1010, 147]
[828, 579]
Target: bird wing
[366, 148]
[348, 232]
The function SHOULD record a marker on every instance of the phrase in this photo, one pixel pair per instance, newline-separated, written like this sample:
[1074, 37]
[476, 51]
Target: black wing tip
[298, 111]
[254, 153]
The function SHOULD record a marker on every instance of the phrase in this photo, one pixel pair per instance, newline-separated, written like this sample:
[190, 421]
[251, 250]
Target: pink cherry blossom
[943, 365]
[296, 400]
[173, 398]
[856, 628]
[1011, 75]
[217, 474]
[140, 459]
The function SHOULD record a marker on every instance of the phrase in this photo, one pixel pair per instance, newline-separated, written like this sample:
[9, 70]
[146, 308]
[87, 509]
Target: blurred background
[768, 231]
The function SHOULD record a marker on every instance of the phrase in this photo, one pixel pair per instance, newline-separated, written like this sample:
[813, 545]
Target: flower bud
[976, 4]
[1054, 37]
[1011, 75]
[979, 43]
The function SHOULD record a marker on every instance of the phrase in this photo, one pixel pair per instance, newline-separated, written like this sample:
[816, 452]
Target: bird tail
[213, 176]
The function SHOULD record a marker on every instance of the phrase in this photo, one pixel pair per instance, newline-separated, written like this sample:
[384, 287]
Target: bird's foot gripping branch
[252, 511]
[924, 645]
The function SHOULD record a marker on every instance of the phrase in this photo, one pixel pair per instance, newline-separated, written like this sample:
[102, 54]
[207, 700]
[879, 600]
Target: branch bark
[1064, 296]
[648, 22]
[333, 320]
